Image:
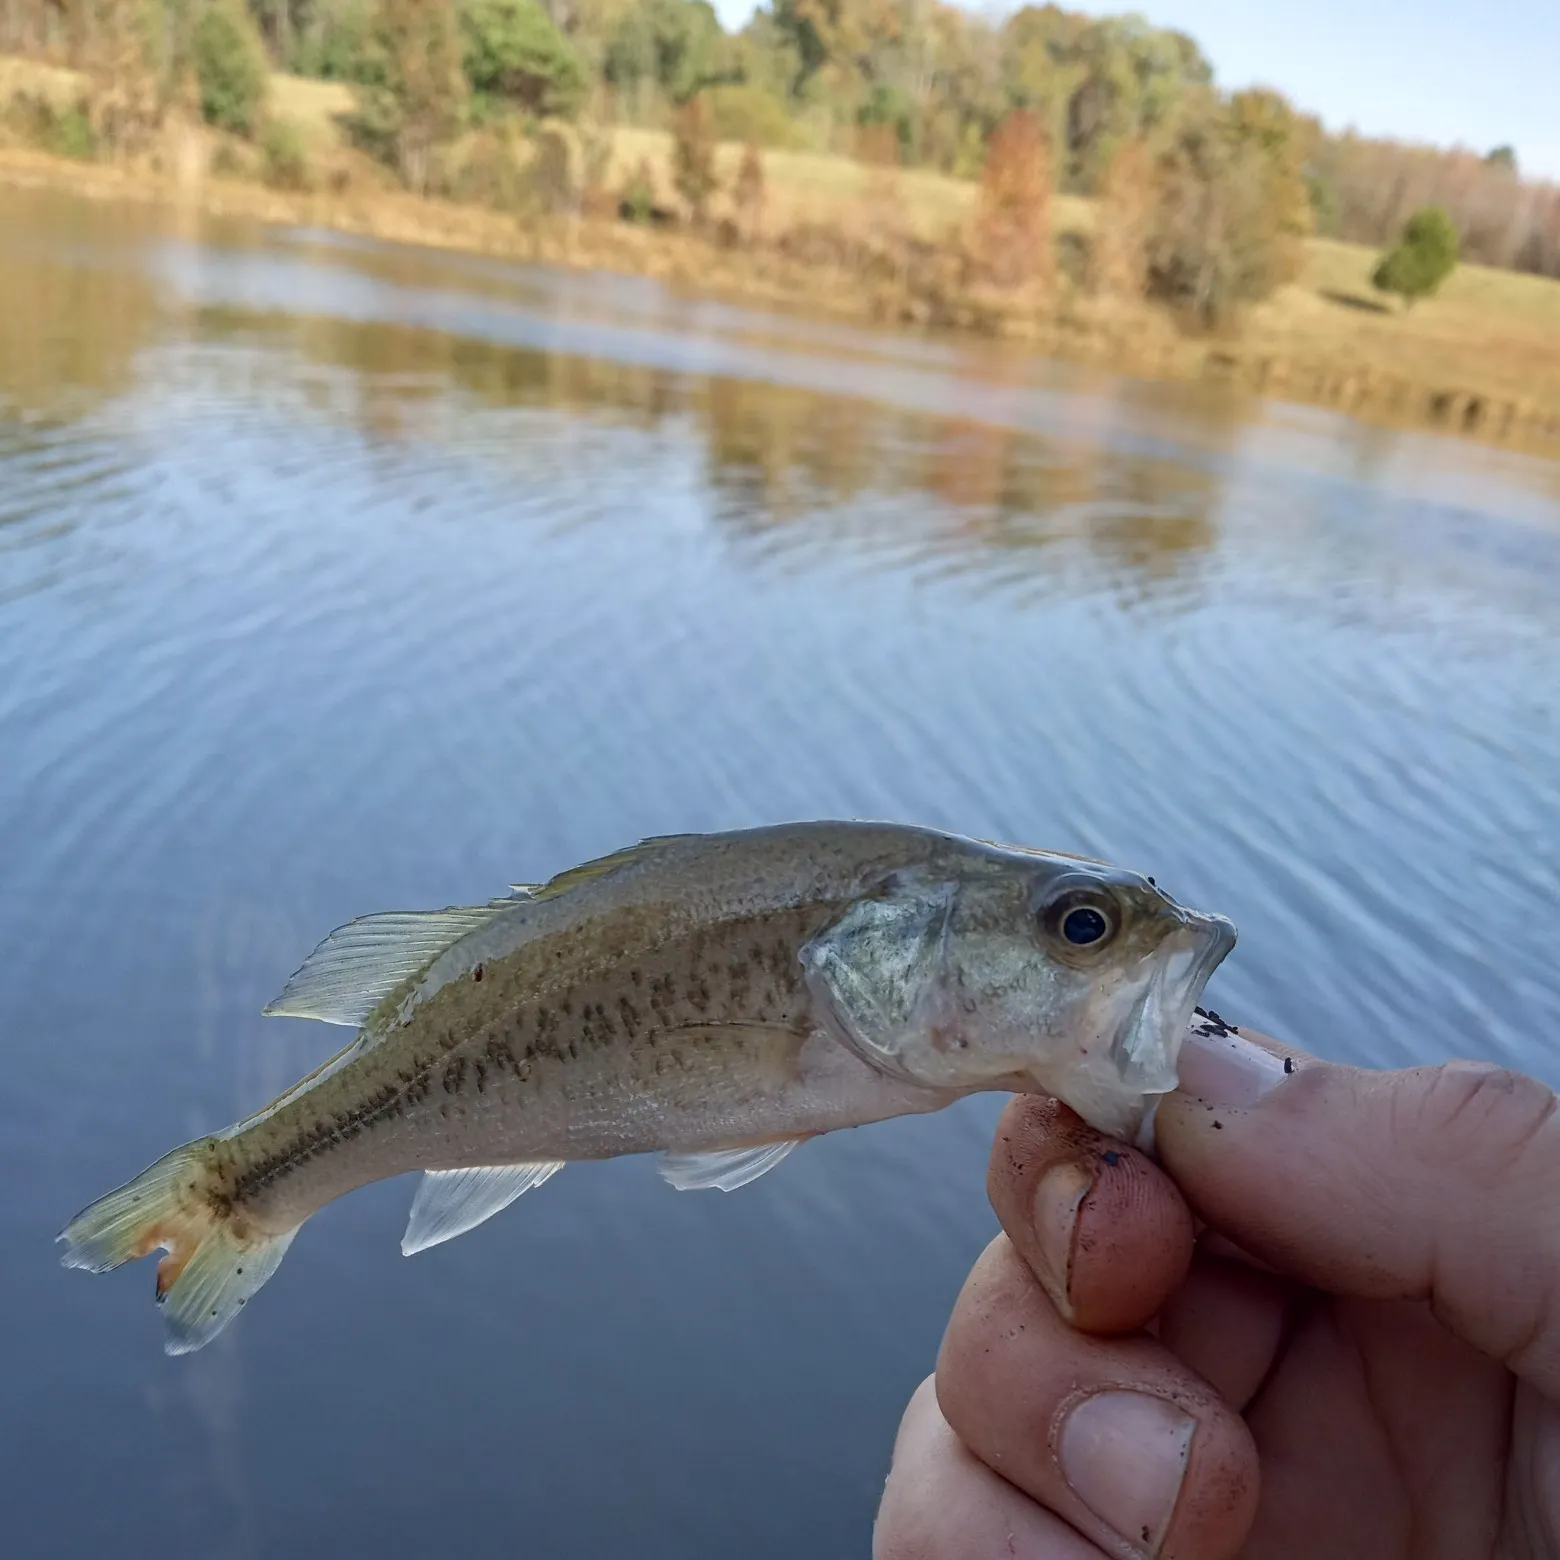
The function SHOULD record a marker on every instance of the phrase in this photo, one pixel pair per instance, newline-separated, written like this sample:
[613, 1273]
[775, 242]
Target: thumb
[1436, 1183]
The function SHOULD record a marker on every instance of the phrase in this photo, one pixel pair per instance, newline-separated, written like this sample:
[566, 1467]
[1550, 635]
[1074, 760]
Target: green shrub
[73, 134]
[66, 132]
[284, 160]
[512, 50]
[230, 68]
[1425, 256]
[336, 47]
[750, 114]
[637, 202]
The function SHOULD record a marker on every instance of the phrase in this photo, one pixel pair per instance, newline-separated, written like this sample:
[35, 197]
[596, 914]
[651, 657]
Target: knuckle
[1488, 1118]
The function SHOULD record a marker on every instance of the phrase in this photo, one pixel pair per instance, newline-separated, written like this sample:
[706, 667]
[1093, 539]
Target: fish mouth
[1148, 1044]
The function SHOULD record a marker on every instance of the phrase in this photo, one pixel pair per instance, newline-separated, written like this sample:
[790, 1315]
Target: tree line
[1208, 193]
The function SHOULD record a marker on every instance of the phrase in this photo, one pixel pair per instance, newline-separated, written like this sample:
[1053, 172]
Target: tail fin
[215, 1262]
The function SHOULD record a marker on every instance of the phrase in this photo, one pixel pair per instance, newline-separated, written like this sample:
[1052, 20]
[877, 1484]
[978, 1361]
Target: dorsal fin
[604, 866]
[363, 962]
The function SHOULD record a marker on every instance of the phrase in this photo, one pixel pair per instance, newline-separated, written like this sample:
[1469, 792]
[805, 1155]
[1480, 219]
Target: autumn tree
[1096, 84]
[693, 157]
[414, 95]
[1013, 221]
[1231, 206]
[109, 40]
[882, 206]
[748, 193]
[1123, 225]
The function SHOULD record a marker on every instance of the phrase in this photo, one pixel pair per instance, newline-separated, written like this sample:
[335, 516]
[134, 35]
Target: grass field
[315, 107]
[59, 87]
[801, 186]
[1495, 329]
[1490, 335]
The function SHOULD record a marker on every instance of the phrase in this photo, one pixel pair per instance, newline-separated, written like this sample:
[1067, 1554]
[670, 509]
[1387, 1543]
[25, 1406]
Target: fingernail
[1124, 1454]
[1227, 1069]
[1058, 1198]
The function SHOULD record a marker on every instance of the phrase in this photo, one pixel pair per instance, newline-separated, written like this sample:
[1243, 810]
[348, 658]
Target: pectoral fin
[723, 1169]
[450, 1202]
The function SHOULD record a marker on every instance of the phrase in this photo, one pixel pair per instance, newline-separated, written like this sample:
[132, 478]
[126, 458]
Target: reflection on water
[336, 577]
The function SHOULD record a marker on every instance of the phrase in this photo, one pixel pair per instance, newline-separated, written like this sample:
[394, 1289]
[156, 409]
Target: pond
[336, 578]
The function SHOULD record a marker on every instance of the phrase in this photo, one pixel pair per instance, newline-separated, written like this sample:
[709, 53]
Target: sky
[1441, 71]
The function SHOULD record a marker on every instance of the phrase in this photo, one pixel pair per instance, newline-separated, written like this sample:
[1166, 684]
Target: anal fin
[450, 1202]
[723, 1169]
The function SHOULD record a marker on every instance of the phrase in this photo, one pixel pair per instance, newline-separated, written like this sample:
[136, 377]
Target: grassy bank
[1482, 359]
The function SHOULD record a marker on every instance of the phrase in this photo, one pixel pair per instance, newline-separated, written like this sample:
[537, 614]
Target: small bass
[717, 999]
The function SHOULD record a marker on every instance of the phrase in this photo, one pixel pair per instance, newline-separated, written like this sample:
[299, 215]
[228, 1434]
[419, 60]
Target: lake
[336, 577]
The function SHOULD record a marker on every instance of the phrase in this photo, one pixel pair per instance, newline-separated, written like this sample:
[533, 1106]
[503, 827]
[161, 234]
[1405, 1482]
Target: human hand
[1359, 1356]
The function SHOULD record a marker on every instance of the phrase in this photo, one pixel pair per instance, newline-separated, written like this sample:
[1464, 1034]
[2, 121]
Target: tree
[892, 110]
[414, 95]
[332, 41]
[230, 68]
[693, 157]
[1013, 223]
[1097, 84]
[1119, 245]
[110, 42]
[749, 114]
[1424, 257]
[674, 46]
[512, 50]
[747, 194]
[1231, 205]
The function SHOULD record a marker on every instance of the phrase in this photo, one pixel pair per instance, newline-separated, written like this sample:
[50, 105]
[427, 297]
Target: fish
[717, 999]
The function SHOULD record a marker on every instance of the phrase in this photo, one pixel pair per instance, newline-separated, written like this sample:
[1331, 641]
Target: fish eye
[1083, 919]
[1084, 925]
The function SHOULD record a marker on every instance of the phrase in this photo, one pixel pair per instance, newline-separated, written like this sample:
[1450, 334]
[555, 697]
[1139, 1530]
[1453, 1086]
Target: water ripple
[335, 584]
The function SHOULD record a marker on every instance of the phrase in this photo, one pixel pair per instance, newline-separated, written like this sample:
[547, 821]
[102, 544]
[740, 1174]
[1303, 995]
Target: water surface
[337, 578]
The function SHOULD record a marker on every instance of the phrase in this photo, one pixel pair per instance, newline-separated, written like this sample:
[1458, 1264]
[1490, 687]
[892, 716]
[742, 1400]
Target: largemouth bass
[717, 998]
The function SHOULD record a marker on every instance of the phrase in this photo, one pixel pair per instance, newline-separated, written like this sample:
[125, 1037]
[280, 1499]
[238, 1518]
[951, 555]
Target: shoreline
[1140, 341]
